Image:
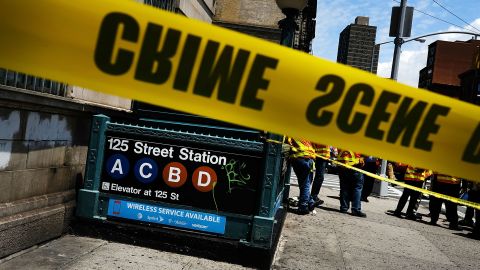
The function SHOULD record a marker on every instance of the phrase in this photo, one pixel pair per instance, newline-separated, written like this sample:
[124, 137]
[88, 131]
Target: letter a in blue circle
[146, 170]
[117, 166]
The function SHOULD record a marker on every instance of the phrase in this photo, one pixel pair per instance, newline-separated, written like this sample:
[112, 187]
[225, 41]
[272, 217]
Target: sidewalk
[325, 240]
[331, 240]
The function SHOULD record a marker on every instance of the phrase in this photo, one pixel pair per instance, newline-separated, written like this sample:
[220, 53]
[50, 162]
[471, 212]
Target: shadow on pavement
[469, 235]
[392, 213]
[329, 209]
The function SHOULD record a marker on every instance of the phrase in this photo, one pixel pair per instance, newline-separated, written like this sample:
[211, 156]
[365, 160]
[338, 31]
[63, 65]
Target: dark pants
[435, 205]
[473, 196]
[368, 181]
[351, 184]
[320, 165]
[414, 195]
[303, 169]
[419, 199]
[476, 229]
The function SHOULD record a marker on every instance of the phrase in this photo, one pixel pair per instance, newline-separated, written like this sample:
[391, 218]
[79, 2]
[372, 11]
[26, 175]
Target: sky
[334, 15]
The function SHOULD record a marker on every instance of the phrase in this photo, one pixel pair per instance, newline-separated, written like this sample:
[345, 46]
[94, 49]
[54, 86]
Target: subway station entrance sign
[194, 175]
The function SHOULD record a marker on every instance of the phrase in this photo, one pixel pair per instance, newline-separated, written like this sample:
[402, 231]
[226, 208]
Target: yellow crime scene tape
[127, 49]
[422, 190]
[402, 184]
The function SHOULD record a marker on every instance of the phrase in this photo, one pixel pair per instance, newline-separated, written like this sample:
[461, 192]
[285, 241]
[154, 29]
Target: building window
[430, 60]
[169, 5]
[31, 83]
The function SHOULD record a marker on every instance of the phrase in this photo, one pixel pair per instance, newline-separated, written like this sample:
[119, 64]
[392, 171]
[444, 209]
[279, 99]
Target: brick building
[445, 62]
[470, 81]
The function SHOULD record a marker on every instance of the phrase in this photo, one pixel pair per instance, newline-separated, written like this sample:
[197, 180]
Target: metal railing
[170, 5]
[31, 83]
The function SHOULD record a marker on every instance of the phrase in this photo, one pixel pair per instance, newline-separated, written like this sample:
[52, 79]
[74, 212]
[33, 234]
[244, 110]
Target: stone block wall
[84, 94]
[257, 18]
[42, 156]
[40, 152]
[260, 13]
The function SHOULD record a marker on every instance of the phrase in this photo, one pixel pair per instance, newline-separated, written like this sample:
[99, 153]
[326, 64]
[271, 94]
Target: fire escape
[306, 27]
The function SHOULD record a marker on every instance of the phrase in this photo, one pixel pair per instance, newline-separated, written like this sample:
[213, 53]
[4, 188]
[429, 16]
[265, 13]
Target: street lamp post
[421, 40]
[383, 190]
[291, 9]
[398, 42]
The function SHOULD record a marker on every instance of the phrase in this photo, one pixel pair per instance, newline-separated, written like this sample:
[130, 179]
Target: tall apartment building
[44, 133]
[445, 62]
[356, 45]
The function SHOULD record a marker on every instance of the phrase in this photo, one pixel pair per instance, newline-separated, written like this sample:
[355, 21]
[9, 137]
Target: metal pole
[398, 42]
[394, 75]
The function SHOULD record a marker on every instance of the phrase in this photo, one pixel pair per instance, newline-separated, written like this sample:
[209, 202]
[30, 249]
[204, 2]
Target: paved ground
[331, 240]
[325, 240]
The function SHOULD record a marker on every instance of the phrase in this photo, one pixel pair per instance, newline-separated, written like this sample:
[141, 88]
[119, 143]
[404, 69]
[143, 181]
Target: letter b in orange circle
[174, 174]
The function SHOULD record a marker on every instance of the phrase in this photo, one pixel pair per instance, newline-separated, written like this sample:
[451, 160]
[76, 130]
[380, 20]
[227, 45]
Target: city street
[161, 134]
[326, 239]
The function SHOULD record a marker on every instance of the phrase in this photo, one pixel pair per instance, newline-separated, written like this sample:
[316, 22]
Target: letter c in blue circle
[146, 170]
[117, 166]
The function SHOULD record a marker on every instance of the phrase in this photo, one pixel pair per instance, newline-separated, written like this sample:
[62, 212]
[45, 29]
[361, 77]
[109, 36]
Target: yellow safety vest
[447, 179]
[415, 174]
[301, 149]
[322, 150]
[349, 158]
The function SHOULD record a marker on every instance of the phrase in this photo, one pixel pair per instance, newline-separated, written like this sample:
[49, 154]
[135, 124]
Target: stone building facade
[258, 18]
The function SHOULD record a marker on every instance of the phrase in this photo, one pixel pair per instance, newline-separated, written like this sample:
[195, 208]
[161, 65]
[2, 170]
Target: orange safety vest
[349, 158]
[447, 179]
[322, 150]
[301, 149]
[416, 174]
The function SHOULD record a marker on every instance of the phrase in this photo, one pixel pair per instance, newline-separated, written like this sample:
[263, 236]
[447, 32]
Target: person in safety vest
[450, 186]
[475, 197]
[371, 166]
[320, 165]
[414, 177]
[302, 157]
[351, 183]
[468, 189]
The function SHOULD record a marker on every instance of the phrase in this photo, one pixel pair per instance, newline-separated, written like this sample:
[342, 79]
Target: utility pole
[398, 41]
[394, 75]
